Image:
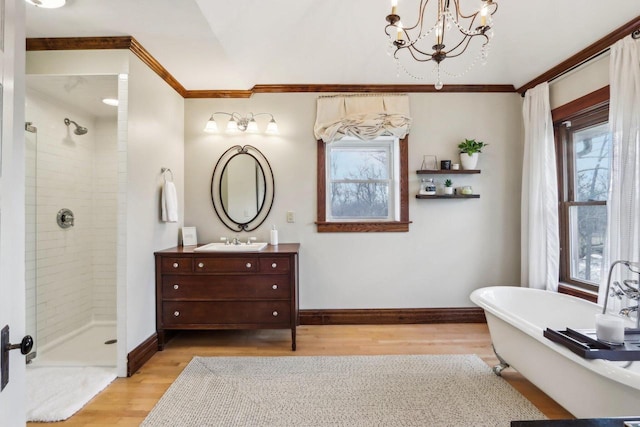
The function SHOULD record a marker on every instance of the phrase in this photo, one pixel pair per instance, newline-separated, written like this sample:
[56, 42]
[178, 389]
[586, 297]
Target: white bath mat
[57, 392]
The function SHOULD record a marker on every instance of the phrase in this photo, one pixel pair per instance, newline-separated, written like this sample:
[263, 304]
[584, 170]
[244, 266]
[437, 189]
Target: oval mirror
[242, 188]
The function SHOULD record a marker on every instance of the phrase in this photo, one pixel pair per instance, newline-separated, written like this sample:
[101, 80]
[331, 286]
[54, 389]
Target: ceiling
[226, 45]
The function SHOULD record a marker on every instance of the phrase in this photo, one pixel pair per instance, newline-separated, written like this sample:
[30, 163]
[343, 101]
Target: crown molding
[130, 43]
[585, 54]
[97, 43]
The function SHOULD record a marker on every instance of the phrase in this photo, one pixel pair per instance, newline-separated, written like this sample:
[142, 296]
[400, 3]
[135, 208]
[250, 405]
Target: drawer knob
[275, 314]
[274, 265]
[201, 264]
[274, 287]
[248, 265]
[175, 265]
[175, 286]
[176, 313]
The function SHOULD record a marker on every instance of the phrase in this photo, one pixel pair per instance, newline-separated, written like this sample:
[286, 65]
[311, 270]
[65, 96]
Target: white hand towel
[169, 202]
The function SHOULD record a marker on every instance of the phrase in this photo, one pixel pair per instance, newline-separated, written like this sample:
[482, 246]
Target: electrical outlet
[291, 216]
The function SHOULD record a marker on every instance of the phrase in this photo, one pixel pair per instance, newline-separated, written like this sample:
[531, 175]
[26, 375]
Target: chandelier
[241, 123]
[448, 37]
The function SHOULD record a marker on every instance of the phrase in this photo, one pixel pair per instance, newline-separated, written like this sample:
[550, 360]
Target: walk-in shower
[79, 130]
[71, 276]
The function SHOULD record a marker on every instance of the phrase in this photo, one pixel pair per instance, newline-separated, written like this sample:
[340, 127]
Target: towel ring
[165, 170]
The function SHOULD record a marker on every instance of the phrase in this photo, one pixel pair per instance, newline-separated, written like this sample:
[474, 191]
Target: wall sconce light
[238, 123]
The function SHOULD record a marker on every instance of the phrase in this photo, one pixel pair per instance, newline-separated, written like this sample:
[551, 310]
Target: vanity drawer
[226, 265]
[176, 265]
[274, 265]
[225, 287]
[178, 313]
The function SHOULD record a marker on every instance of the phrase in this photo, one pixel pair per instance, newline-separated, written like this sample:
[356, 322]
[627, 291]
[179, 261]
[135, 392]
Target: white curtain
[540, 245]
[623, 206]
[363, 116]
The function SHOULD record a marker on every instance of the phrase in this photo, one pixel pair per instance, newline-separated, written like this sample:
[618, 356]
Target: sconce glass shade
[211, 126]
[232, 125]
[252, 126]
[272, 127]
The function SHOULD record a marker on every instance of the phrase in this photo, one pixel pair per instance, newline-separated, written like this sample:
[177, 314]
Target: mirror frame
[269, 188]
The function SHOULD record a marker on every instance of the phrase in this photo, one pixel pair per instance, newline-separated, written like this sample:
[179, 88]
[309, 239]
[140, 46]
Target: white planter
[448, 190]
[469, 161]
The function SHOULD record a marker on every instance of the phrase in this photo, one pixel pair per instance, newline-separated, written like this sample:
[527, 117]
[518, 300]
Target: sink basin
[223, 247]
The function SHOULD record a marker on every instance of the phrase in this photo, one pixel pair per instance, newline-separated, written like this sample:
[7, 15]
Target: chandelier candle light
[447, 42]
[241, 123]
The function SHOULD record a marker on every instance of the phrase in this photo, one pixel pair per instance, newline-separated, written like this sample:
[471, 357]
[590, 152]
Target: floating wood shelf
[448, 196]
[446, 171]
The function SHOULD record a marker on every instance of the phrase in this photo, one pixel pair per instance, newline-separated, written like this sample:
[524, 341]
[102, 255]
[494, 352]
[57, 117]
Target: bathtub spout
[628, 310]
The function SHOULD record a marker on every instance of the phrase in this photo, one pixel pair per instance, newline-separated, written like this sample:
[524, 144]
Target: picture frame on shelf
[189, 236]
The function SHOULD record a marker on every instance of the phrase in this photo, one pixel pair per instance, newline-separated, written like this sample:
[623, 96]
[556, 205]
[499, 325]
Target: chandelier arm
[420, 59]
[467, 45]
[420, 22]
[467, 38]
[414, 48]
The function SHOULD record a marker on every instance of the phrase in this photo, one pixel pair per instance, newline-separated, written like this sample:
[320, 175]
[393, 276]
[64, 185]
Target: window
[362, 185]
[584, 149]
[360, 180]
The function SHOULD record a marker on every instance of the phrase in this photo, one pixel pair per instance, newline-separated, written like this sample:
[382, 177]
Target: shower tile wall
[105, 191]
[75, 266]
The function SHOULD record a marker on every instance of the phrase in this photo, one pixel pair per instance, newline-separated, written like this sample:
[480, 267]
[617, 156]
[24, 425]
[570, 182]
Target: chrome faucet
[629, 289]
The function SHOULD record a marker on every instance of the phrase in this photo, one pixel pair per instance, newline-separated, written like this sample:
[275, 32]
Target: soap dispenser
[274, 236]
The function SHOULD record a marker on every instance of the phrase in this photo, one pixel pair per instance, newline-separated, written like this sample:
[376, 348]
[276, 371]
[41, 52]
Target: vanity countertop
[282, 248]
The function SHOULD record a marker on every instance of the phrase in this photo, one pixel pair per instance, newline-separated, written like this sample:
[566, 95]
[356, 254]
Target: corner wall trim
[141, 354]
[392, 316]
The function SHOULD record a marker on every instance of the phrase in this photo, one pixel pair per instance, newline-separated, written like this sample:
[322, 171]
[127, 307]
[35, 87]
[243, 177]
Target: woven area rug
[423, 390]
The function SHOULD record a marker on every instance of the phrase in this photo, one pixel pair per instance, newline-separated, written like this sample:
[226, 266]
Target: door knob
[25, 347]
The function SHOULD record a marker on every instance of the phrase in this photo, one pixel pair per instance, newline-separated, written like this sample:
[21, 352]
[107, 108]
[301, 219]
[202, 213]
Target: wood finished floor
[127, 401]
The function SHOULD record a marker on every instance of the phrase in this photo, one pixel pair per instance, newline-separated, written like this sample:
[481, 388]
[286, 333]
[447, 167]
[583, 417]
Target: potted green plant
[469, 150]
[448, 189]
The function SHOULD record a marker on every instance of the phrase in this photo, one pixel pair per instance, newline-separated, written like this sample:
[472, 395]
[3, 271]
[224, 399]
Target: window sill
[362, 227]
[591, 296]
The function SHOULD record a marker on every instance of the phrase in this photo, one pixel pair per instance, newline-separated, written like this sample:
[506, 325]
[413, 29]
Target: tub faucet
[629, 289]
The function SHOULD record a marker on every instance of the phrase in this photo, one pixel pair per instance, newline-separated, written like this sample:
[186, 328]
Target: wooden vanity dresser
[227, 290]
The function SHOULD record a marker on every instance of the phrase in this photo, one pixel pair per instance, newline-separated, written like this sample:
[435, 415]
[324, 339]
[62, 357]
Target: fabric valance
[363, 116]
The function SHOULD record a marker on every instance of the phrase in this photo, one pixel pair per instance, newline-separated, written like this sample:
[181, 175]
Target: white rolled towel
[169, 202]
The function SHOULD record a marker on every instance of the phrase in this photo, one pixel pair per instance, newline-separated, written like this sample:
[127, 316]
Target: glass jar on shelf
[428, 187]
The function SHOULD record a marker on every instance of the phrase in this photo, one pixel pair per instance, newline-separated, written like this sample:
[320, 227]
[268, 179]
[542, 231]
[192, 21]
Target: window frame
[401, 225]
[584, 112]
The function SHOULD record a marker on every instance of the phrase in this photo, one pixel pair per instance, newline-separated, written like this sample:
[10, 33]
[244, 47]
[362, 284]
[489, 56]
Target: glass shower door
[31, 141]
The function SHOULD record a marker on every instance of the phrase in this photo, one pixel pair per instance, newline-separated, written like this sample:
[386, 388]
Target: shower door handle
[25, 347]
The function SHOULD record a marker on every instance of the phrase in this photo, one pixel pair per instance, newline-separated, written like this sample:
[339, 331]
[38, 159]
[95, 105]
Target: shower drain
[111, 341]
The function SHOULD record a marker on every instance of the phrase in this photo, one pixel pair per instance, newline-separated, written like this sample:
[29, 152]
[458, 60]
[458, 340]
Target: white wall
[453, 246]
[582, 81]
[155, 138]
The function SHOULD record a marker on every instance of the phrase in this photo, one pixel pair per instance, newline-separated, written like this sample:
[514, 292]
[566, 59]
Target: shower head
[79, 130]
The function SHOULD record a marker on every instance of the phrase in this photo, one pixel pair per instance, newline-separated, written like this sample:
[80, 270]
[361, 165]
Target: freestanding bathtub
[588, 388]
